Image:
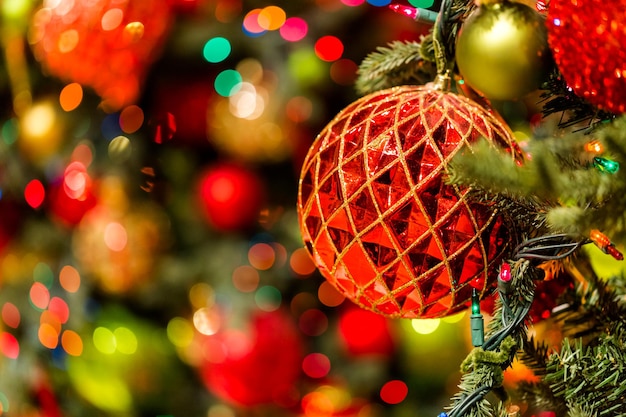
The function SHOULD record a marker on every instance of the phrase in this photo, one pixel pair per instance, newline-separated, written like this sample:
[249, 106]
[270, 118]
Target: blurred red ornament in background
[257, 365]
[586, 38]
[107, 45]
[231, 196]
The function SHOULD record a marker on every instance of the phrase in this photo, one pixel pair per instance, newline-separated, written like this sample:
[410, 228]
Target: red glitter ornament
[587, 38]
[104, 44]
[377, 215]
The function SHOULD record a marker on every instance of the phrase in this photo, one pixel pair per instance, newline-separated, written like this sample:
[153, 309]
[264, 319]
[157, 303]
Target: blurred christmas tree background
[152, 263]
[151, 258]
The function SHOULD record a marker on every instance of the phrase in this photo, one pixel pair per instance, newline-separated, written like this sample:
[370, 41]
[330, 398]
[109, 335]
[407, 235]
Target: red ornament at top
[380, 221]
[587, 38]
[103, 44]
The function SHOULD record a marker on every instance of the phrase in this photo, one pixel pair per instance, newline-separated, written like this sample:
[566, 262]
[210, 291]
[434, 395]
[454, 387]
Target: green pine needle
[398, 64]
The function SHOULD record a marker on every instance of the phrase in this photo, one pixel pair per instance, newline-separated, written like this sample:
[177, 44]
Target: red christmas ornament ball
[107, 45]
[254, 366]
[377, 216]
[231, 196]
[586, 38]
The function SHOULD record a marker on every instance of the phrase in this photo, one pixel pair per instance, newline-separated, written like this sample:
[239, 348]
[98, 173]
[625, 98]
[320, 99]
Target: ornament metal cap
[442, 81]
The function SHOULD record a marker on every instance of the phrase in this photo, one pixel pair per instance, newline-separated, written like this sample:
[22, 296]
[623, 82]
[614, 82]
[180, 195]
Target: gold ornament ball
[502, 50]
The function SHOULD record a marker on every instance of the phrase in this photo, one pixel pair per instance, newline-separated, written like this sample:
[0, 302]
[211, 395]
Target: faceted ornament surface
[377, 216]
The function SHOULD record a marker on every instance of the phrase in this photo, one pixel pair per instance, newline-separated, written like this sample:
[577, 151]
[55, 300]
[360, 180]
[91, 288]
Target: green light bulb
[605, 165]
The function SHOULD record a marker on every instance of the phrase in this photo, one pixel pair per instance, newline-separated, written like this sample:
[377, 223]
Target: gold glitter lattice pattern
[376, 214]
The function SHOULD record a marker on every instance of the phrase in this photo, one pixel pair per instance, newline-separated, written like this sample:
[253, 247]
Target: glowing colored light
[72, 343]
[48, 335]
[68, 40]
[344, 71]
[120, 149]
[207, 321]
[271, 18]
[17, 10]
[59, 308]
[455, 318]
[313, 322]
[131, 119]
[425, 326]
[69, 278]
[281, 254]
[216, 49]
[110, 127]
[353, 3]
[111, 19]
[379, 3]
[115, 236]
[329, 296]
[42, 273]
[299, 109]
[250, 69]
[125, 340]
[294, 29]
[180, 332]
[315, 404]
[301, 263]
[251, 22]
[71, 96]
[51, 319]
[104, 340]
[301, 302]
[76, 181]
[605, 165]
[133, 32]
[261, 256]
[11, 315]
[316, 365]
[9, 345]
[9, 131]
[246, 278]
[246, 103]
[305, 67]
[329, 48]
[201, 295]
[39, 295]
[34, 193]
[394, 392]
[228, 82]
[82, 153]
[268, 298]
[422, 3]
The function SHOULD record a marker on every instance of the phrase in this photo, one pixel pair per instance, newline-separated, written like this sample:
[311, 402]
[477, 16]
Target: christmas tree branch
[557, 97]
[484, 366]
[398, 64]
[592, 377]
[560, 179]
